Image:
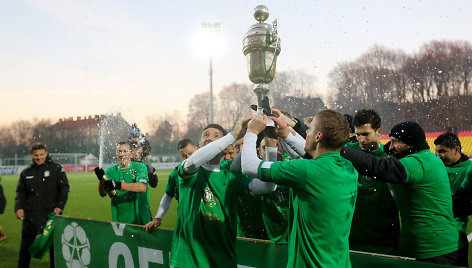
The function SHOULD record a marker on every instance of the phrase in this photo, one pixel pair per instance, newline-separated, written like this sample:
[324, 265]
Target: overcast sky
[68, 58]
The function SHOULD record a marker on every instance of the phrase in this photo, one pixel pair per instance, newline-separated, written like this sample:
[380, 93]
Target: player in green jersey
[140, 150]
[129, 180]
[376, 224]
[205, 232]
[422, 192]
[458, 166]
[185, 148]
[324, 189]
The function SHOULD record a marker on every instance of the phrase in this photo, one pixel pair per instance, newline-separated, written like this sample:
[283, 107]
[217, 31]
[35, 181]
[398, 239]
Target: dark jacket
[41, 188]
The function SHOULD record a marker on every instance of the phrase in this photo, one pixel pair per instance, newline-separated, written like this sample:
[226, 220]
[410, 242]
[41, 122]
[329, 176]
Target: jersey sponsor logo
[209, 198]
[47, 173]
[209, 209]
[29, 177]
[75, 246]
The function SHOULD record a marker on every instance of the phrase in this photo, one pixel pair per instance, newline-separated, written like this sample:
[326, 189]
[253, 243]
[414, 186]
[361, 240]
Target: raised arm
[293, 143]
[249, 160]
[387, 169]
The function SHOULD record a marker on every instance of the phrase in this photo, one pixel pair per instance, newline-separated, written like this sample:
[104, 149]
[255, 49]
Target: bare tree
[235, 101]
[22, 132]
[295, 83]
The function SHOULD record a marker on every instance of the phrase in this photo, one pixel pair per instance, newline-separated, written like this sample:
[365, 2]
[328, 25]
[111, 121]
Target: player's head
[186, 148]
[229, 153]
[39, 153]
[211, 133]
[123, 152]
[329, 129]
[367, 124]
[136, 152]
[405, 136]
[448, 148]
[238, 145]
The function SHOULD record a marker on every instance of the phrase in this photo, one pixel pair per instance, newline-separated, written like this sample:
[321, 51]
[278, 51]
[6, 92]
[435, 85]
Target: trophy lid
[260, 35]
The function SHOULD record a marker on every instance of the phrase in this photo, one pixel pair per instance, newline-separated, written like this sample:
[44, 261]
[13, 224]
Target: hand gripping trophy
[261, 46]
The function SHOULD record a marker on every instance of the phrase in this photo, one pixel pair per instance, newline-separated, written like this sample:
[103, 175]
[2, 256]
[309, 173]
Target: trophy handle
[277, 42]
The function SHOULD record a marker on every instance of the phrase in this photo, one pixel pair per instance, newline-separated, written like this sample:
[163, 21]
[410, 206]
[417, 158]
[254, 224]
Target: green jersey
[205, 232]
[458, 174]
[376, 224]
[127, 206]
[250, 218]
[467, 183]
[172, 188]
[323, 197]
[428, 227]
[275, 213]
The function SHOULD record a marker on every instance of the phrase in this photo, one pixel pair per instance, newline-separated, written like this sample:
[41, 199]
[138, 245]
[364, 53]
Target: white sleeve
[289, 150]
[206, 153]
[249, 160]
[271, 154]
[296, 142]
[250, 164]
[258, 187]
[163, 206]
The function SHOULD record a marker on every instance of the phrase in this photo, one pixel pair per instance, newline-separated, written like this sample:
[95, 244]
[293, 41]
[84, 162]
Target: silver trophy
[261, 46]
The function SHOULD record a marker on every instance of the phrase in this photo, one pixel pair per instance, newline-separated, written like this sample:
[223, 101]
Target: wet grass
[83, 202]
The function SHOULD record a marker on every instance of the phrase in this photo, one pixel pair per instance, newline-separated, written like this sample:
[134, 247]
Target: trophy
[261, 46]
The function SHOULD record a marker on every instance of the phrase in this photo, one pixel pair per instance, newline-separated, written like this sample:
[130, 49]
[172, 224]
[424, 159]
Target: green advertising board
[91, 243]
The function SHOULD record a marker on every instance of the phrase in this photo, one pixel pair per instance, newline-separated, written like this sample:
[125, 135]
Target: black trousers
[25, 257]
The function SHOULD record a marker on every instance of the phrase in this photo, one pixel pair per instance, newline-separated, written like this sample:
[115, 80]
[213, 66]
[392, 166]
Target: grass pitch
[83, 202]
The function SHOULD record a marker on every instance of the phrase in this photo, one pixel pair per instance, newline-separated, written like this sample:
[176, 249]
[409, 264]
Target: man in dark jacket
[422, 193]
[43, 188]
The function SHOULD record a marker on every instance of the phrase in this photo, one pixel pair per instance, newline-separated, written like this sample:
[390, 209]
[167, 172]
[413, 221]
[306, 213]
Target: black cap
[410, 132]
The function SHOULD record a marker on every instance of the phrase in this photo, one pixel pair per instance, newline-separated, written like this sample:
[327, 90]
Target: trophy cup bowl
[261, 46]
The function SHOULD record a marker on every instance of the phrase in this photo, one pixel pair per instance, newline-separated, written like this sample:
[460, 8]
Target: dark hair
[184, 143]
[448, 139]
[217, 127]
[38, 146]
[349, 121]
[125, 143]
[367, 116]
[334, 127]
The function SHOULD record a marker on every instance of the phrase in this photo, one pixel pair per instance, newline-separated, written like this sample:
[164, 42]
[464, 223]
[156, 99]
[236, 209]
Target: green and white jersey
[458, 174]
[376, 224]
[172, 188]
[323, 197]
[428, 226]
[205, 232]
[127, 206]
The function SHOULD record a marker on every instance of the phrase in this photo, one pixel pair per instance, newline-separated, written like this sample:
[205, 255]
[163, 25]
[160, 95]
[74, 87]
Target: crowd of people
[322, 186]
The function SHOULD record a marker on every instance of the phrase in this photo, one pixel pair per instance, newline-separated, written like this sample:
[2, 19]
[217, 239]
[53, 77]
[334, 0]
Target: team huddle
[312, 186]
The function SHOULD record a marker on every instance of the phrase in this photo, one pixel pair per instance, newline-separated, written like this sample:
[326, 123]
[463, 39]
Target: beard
[369, 146]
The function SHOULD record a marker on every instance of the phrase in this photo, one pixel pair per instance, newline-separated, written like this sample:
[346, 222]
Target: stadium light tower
[211, 38]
